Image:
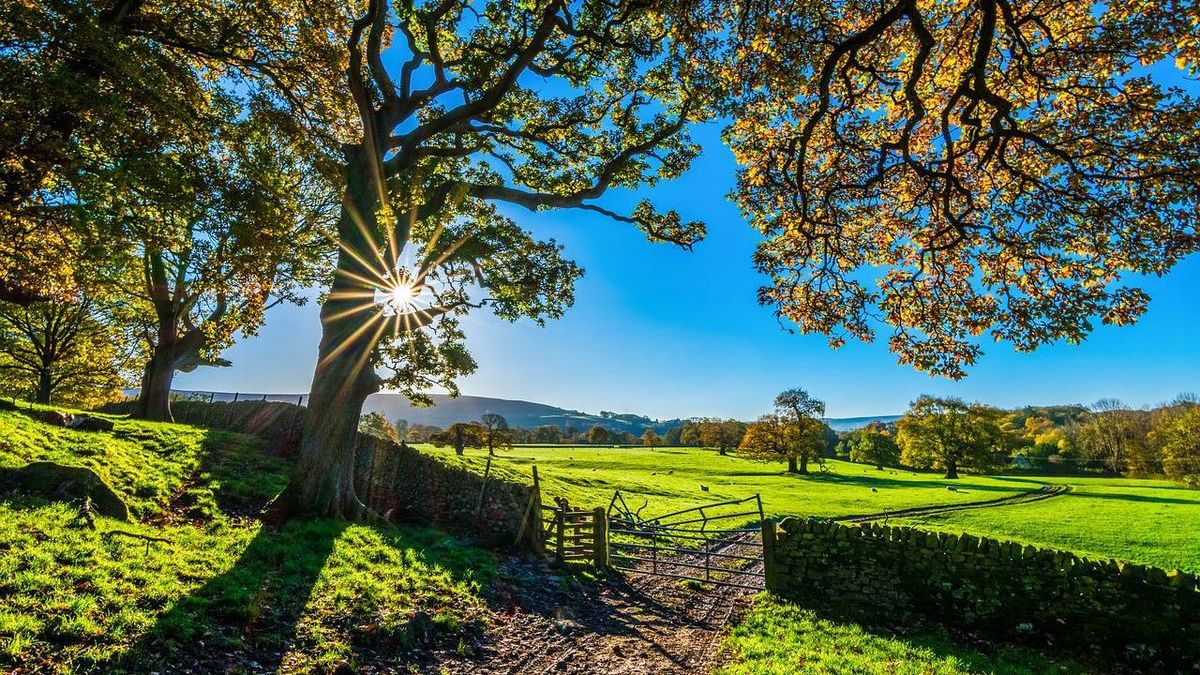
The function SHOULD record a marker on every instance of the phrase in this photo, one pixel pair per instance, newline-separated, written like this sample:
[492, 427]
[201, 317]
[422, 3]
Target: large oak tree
[533, 105]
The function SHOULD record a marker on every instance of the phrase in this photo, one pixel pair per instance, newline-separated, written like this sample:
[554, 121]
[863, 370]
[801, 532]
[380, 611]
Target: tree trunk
[322, 484]
[459, 450]
[154, 398]
[792, 465]
[804, 464]
[45, 386]
[951, 469]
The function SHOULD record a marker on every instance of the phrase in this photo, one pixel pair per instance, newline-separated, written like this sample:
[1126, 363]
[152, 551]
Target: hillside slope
[212, 589]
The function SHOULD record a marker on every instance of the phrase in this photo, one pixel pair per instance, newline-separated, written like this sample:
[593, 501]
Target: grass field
[777, 638]
[310, 596]
[324, 596]
[1144, 521]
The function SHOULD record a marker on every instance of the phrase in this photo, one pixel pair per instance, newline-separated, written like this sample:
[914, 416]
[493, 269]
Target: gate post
[560, 523]
[600, 535]
[768, 546]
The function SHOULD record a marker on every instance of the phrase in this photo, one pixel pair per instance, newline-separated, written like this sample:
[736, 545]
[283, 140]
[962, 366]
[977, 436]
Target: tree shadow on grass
[268, 603]
[246, 615]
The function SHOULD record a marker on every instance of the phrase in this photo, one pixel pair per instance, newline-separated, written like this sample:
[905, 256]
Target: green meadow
[1145, 521]
[310, 596]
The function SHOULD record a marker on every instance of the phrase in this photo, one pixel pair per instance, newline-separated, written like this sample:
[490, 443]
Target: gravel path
[630, 624]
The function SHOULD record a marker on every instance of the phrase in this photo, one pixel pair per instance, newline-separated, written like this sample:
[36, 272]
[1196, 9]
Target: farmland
[1145, 521]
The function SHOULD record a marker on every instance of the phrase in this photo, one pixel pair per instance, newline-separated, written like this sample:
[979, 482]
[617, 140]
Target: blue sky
[668, 333]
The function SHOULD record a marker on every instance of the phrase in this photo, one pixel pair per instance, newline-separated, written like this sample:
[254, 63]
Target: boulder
[59, 481]
[89, 423]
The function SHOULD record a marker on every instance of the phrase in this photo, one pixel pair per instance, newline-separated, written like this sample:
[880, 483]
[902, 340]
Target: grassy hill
[1145, 521]
[223, 592]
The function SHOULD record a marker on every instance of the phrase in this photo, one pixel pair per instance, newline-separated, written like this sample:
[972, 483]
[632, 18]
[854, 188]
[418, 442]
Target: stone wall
[882, 575]
[278, 423]
[409, 486]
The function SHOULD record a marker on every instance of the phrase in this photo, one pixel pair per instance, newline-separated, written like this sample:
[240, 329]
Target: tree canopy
[949, 433]
[950, 170]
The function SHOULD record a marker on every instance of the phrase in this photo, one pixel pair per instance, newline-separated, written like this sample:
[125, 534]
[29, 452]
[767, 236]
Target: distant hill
[523, 414]
[852, 423]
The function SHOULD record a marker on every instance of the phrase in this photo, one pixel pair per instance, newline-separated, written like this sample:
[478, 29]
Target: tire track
[1048, 491]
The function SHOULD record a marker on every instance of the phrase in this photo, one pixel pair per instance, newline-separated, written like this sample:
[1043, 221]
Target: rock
[54, 417]
[89, 423]
[57, 481]
[421, 629]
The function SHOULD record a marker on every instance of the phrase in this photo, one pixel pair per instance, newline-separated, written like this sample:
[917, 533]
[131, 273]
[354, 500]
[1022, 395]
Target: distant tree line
[949, 434]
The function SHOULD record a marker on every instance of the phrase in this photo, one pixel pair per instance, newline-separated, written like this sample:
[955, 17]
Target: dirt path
[1044, 492]
[636, 624]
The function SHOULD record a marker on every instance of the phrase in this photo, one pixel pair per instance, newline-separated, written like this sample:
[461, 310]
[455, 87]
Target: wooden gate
[575, 534]
[720, 543]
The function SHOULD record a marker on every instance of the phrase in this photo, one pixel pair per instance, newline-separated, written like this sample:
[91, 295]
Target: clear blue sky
[667, 333]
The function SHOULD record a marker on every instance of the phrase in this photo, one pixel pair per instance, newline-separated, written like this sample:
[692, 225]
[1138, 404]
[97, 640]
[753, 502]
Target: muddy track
[1042, 493]
[627, 624]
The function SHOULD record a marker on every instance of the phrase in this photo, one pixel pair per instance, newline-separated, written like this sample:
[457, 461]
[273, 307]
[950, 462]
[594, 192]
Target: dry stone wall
[882, 575]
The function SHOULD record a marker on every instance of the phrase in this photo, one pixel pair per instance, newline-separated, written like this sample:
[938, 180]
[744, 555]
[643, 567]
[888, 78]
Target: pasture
[1145, 521]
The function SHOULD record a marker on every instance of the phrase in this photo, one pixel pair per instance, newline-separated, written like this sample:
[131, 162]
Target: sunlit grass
[777, 638]
[1145, 521]
[310, 596]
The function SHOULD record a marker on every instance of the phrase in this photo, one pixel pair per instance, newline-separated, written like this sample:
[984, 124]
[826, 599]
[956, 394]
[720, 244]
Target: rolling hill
[523, 414]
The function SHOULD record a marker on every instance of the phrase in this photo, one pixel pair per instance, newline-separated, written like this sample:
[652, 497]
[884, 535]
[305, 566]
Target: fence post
[600, 533]
[768, 542]
[560, 524]
[483, 489]
[296, 414]
[229, 412]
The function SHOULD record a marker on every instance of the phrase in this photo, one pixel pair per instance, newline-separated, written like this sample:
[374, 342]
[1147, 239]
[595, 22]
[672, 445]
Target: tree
[650, 439]
[88, 85]
[994, 168]
[377, 425]
[721, 435]
[804, 413]
[598, 435]
[1177, 436]
[1115, 436]
[421, 433]
[400, 426]
[448, 128]
[216, 232]
[496, 433]
[62, 352]
[948, 433]
[775, 438]
[547, 433]
[690, 435]
[872, 447]
[460, 436]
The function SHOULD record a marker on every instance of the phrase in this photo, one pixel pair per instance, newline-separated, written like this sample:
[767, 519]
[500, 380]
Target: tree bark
[45, 386]
[951, 469]
[792, 465]
[154, 397]
[804, 464]
[322, 484]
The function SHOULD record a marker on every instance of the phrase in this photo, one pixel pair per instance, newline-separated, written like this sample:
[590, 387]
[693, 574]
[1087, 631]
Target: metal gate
[719, 543]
